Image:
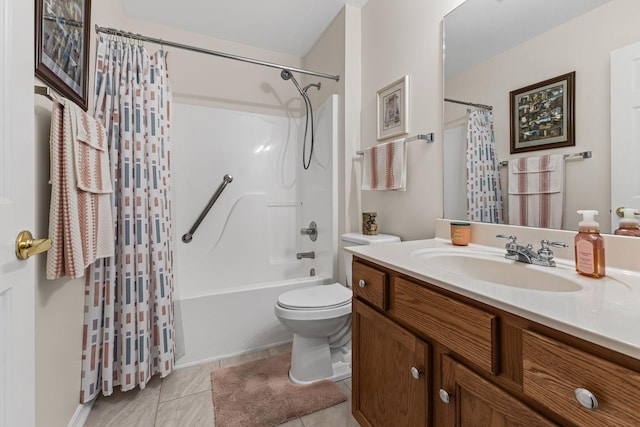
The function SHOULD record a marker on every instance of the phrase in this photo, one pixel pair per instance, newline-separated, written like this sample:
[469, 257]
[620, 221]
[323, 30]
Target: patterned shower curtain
[484, 191]
[128, 325]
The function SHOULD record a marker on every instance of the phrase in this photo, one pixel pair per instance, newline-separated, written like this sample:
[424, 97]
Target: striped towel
[80, 218]
[536, 191]
[385, 167]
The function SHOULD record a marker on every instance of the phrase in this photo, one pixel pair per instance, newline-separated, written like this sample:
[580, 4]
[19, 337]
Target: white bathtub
[232, 322]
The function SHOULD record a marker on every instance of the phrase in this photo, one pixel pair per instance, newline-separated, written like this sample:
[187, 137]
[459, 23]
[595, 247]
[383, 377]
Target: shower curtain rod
[115, 32]
[484, 107]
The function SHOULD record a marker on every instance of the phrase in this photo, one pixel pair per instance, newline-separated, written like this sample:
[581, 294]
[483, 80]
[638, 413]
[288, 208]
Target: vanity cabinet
[390, 372]
[475, 364]
[554, 372]
[474, 401]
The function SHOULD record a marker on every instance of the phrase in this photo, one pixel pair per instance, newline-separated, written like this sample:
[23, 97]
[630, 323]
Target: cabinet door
[390, 372]
[475, 402]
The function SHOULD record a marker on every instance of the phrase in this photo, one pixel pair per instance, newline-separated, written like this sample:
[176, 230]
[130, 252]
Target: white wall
[398, 38]
[582, 45]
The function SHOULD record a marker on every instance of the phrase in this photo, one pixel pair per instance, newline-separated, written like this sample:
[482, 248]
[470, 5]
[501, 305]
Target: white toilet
[320, 319]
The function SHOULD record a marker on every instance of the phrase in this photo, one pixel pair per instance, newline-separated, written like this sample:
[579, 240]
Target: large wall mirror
[494, 47]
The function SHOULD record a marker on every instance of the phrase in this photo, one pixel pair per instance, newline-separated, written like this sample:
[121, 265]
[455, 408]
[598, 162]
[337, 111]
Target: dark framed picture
[542, 115]
[62, 46]
[393, 109]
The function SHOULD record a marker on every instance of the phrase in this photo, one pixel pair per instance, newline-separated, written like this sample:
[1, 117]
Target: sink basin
[494, 268]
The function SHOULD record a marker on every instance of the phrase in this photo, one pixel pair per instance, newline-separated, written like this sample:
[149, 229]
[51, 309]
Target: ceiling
[480, 29]
[286, 26]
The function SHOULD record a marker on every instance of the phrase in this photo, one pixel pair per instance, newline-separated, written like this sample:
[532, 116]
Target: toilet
[320, 319]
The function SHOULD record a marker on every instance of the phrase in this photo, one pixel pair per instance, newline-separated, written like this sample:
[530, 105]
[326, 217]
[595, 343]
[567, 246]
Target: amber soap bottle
[589, 246]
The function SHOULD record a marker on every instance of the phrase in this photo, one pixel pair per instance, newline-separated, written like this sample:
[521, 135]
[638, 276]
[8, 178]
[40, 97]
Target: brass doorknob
[26, 245]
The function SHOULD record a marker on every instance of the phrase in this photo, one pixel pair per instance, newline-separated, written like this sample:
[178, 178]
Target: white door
[625, 130]
[17, 279]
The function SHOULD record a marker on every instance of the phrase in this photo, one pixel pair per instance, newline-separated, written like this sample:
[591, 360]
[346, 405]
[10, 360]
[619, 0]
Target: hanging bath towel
[536, 191]
[80, 219]
[385, 167]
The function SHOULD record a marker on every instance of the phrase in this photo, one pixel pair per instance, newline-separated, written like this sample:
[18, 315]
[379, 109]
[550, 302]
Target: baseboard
[81, 414]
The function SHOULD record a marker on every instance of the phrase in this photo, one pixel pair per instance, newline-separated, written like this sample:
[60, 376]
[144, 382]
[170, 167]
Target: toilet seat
[321, 297]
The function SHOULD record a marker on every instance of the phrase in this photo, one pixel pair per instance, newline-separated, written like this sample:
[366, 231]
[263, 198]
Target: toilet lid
[316, 297]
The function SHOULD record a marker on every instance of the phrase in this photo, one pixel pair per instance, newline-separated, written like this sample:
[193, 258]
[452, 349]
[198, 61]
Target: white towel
[80, 219]
[536, 191]
[385, 167]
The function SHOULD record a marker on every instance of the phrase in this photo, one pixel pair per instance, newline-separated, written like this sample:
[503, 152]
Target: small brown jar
[460, 233]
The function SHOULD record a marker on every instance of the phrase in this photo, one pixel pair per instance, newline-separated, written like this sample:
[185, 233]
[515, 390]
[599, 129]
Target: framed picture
[393, 109]
[62, 46]
[542, 115]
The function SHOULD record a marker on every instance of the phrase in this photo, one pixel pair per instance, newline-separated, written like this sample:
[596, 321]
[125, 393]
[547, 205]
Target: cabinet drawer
[553, 371]
[468, 331]
[371, 285]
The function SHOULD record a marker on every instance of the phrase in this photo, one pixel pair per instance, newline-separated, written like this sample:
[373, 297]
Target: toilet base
[312, 359]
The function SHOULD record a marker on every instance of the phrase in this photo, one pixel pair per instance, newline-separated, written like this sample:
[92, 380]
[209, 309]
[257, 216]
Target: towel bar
[426, 136]
[582, 154]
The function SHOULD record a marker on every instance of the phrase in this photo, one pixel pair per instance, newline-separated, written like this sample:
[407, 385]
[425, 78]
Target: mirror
[493, 47]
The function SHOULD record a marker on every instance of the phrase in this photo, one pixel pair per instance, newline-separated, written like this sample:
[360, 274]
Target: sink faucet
[526, 254]
[301, 255]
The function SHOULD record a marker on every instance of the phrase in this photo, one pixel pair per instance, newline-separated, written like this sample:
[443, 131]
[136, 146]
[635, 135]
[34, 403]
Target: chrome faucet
[301, 255]
[526, 254]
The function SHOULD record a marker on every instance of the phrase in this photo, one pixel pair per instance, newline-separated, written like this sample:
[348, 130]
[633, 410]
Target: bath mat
[259, 394]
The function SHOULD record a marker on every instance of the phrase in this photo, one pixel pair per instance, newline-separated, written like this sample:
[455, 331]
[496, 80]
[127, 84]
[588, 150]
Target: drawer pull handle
[444, 395]
[586, 398]
[415, 373]
[362, 283]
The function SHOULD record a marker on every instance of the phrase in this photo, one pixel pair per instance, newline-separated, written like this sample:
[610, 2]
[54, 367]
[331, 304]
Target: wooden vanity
[427, 356]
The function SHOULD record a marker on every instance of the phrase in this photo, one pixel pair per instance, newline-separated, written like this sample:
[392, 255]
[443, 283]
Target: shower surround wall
[243, 255]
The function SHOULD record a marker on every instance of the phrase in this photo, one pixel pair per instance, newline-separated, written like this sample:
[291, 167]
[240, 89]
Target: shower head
[306, 88]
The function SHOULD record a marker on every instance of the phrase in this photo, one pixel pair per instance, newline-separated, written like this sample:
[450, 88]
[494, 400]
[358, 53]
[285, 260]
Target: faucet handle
[511, 245]
[545, 253]
[545, 244]
[511, 238]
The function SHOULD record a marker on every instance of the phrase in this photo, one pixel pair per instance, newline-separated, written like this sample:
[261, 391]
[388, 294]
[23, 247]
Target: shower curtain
[128, 325]
[484, 191]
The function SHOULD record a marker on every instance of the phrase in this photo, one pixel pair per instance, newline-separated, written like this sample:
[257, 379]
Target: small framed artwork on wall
[62, 46]
[542, 115]
[393, 109]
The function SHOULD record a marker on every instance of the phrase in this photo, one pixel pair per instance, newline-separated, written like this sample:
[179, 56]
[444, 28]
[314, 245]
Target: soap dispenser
[589, 246]
[629, 225]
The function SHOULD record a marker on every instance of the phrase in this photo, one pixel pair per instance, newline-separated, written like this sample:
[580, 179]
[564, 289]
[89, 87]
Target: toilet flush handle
[362, 283]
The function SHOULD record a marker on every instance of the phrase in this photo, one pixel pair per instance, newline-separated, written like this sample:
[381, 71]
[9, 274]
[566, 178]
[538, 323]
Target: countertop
[605, 311]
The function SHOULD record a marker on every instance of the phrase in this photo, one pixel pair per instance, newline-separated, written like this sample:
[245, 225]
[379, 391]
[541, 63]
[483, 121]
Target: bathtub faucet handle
[312, 231]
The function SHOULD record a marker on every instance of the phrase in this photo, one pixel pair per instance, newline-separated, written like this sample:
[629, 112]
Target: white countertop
[605, 311]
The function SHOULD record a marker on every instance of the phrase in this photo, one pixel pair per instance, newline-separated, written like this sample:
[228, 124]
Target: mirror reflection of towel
[385, 167]
[536, 191]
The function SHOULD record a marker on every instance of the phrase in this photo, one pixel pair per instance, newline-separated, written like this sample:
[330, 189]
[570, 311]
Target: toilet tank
[358, 239]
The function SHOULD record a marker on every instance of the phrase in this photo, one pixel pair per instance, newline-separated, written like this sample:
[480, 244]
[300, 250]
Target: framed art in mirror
[542, 115]
[62, 46]
[393, 109]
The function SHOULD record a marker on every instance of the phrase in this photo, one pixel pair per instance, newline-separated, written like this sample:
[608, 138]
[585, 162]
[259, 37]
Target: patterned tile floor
[183, 399]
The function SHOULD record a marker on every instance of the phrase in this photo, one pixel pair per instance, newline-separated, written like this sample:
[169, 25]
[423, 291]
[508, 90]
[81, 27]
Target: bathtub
[233, 322]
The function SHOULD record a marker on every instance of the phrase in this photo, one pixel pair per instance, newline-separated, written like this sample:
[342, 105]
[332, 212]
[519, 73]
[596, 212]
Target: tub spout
[301, 255]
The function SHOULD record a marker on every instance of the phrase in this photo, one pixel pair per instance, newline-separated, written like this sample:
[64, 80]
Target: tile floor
[183, 399]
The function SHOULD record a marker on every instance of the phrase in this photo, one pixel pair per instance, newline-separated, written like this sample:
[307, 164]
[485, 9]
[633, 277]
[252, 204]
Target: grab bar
[225, 180]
